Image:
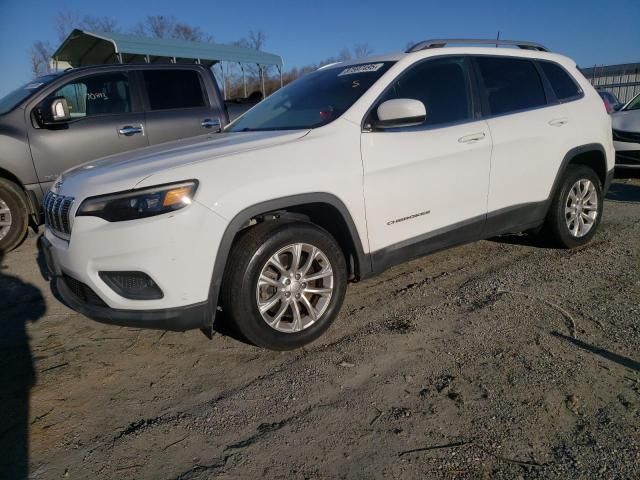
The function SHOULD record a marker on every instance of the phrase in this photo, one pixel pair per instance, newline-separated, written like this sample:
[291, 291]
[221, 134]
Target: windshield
[13, 99]
[313, 100]
[634, 104]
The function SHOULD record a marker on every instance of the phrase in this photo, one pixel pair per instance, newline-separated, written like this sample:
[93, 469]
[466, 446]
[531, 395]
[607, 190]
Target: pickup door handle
[129, 130]
[474, 137]
[212, 123]
[558, 122]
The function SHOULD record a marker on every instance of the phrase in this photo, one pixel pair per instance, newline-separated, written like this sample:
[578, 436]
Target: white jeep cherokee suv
[341, 174]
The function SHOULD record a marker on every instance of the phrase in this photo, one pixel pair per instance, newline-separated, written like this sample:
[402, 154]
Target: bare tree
[66, 20]
[40, 55]
[160, 26]
[361, 50]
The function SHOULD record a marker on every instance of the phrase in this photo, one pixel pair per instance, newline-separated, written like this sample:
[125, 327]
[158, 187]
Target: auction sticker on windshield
[369, 67]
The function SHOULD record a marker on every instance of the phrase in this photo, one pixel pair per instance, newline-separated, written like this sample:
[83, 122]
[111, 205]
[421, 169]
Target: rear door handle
[474, 137]
[558, 122]
[129, 130]
[212, 123]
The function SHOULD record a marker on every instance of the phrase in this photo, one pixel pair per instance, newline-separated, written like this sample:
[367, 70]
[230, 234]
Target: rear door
[106, 118]
[178, 104]
[529, 132]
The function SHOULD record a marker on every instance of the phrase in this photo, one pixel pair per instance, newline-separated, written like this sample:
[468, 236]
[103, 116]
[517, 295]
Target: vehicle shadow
[624, 193]
[613, 357]
[20, 303]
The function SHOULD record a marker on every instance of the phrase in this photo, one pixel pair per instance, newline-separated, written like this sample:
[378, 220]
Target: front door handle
[212, 123]
[129, 130]
[558, 122]
[474, 137]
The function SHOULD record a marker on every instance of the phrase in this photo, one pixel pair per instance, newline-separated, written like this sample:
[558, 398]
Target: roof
[611, 69]
[90, 48]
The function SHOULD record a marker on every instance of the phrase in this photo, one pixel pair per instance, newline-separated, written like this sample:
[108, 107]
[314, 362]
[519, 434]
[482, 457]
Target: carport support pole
[261, 70]
[224, 82]
[244, 80]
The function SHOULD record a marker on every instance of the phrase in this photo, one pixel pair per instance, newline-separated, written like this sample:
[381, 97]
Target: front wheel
[576, 209]
[13, 215]
[285, 283]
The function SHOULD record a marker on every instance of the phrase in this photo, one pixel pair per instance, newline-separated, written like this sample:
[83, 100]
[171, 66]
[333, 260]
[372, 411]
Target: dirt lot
[500, 359]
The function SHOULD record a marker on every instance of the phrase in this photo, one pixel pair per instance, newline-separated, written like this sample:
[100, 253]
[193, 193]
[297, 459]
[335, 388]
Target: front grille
[620, 136]
[56, 213]
[82, 292]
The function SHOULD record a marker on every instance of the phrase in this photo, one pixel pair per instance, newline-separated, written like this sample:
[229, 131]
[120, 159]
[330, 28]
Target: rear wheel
[13, 215]
[285, 284]
[576, 209]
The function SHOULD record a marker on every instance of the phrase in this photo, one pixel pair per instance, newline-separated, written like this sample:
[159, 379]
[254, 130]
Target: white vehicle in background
[626, 134]
[336, 177]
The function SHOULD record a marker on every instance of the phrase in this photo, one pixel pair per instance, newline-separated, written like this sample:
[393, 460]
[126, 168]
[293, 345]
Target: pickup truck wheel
[13, 215]
[285, 284]
[576, 209]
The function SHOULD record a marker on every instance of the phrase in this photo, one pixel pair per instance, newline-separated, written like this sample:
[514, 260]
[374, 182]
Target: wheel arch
[323, 209]
[592, 155]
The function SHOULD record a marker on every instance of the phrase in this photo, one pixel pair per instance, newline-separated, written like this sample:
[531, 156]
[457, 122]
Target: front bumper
[176, 250]
[627, 154]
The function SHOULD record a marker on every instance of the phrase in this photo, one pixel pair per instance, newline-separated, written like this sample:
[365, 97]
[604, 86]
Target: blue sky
[590, 31]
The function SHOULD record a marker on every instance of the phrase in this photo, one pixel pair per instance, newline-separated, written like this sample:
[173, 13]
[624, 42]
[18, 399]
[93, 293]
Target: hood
[126, 170]
[626, 121]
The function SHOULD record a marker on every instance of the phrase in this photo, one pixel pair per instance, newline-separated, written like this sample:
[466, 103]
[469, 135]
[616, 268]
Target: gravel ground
[499, 359]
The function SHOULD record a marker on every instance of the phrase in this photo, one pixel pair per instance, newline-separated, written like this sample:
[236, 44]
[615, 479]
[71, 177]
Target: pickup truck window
[313, 100]
[169, 89]
[102, 94]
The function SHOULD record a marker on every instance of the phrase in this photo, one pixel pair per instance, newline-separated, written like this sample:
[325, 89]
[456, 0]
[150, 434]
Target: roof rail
[441, 42]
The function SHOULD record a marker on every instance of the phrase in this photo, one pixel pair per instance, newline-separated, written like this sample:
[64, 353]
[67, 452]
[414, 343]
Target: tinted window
[103, 94]
[562, 84]
[313, 100]
[441, 85]
[173, 89]
[511, 84]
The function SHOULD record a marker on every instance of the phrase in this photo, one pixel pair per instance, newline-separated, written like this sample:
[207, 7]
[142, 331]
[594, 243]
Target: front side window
[103, 94]
[563, 85]
[511, 84]
[313, 100]
[173, 89]
[441, 85]
[633, 104]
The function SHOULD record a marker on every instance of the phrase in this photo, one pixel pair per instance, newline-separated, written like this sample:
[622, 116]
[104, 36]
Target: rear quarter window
[563, 85]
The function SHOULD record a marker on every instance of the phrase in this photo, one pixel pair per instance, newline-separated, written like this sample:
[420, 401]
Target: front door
[428, 183]
[105, 120]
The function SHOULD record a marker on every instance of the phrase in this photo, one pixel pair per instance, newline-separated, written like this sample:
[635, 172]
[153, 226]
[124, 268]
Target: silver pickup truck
[61, 120]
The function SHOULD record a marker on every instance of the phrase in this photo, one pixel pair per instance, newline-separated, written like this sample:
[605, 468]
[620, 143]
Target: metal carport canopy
[91, 48]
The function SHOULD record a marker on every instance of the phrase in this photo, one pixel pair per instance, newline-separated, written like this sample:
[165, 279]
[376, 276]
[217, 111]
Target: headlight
[143, 203]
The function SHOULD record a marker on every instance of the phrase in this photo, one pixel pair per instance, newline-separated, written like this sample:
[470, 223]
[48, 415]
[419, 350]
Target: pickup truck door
[426, 186]
[106, 118]
[180, 103]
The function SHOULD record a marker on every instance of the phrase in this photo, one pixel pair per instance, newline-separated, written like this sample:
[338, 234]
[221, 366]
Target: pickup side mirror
[60, 110]
[400, 112]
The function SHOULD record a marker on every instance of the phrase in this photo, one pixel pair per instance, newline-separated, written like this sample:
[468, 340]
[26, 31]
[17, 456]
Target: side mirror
[60, 110]
[401, 112]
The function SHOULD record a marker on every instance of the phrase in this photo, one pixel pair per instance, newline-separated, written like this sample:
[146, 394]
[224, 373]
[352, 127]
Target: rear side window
[442, 85]
[171, 89]
[511, 84]
[563, 85]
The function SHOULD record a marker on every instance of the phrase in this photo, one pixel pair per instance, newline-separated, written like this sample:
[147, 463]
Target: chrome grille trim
[57, 210]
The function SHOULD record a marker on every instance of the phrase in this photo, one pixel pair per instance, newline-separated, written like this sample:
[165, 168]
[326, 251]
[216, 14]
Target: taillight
[607, 106]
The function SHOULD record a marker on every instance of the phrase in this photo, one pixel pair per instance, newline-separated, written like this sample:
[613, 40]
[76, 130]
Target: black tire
[13, 197]
[249, 255]
[556, 228]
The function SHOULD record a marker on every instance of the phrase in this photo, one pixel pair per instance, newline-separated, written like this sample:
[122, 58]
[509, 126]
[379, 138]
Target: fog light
[132, 285]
